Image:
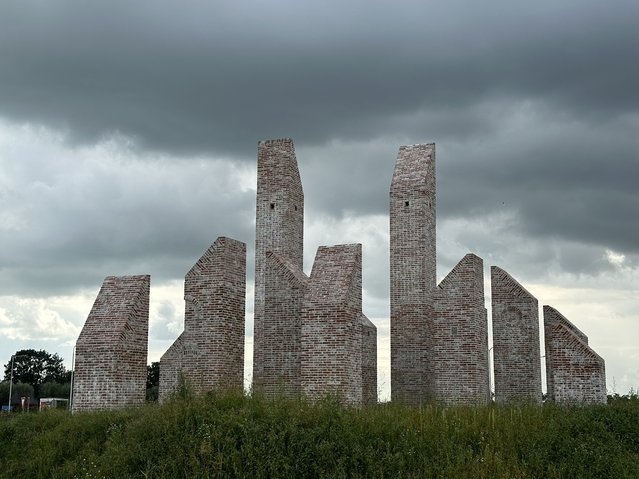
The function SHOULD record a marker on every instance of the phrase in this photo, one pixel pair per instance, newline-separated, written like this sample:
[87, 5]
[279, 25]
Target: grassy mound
[238, 436]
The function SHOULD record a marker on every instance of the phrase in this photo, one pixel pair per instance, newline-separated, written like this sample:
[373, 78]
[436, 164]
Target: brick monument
[332, 349]
[517, 359]
[111, 352]
[209, 354]
[284, 291]
[412, 271]
[574, 372]
[279, 228]
[459, 348]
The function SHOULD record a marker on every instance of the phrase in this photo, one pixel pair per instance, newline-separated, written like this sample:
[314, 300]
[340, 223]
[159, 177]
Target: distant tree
[152, 381]
[17, 391]
[55, 390]
[36, 367]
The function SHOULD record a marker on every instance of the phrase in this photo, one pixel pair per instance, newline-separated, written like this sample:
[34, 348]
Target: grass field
[239, 436]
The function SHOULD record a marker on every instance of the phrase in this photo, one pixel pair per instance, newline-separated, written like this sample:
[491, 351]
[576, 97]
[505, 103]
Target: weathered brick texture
[412, 271]
[111, 352]
[574, 372]
[209, 354]
[369, 361]
[279, 228]
[517, 358]
[285, 287]
[331, 341]
[459, 349]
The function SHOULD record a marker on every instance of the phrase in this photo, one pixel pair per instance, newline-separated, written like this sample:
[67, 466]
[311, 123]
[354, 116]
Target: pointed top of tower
[277, 166]
[413, 165]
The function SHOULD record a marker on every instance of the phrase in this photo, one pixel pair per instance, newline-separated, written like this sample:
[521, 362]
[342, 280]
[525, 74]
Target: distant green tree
[152, 381]
[35, 368]
[17, 391]
[55, 390]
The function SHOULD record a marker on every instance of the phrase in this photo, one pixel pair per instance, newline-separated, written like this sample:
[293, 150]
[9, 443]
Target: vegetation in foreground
[239, 436]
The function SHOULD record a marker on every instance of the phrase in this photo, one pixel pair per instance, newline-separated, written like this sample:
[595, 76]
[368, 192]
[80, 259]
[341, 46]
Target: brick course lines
[459, 350]
[111, 352]
[209, 354]
[279, 228]
[574, 372]
[285, 287]
[369, 361]
[517, 358]
[412, 270]
[331, 340]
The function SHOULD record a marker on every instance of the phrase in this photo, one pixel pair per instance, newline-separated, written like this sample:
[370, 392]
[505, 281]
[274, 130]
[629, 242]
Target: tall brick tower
[279, 228]
[412, 270]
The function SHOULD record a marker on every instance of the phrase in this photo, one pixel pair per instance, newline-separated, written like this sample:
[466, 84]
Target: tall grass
[237, 436]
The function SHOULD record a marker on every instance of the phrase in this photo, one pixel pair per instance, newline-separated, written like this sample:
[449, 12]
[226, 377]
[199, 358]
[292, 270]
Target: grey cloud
[211, 77]
[84, 220]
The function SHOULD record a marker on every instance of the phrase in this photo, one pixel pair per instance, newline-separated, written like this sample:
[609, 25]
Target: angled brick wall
[209, 354]
[574, 372]
[517, 360]
[279, 228]
[459, 353]
[111, 352]
[412, 271]
[285, 287]
[369, 361]
[331, 340]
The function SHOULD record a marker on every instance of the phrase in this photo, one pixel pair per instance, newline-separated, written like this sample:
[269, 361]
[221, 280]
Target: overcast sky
[128, 135]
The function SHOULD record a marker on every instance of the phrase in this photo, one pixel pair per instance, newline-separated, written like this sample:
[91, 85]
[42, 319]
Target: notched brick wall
[413, 271]
[331, 341]
[279, 228]
[209, 354]
[517, 359]
[459, 350]
[574, 372]
[284, 290]
[111, 352]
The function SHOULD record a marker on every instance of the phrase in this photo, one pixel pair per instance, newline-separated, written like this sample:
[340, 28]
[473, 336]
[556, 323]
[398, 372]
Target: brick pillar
[412, 271]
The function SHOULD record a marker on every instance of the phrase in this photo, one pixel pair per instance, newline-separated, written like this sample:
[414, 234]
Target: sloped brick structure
[111, 351]
[412, 271]
[459, 349]
[332, 326]
[209, 354]
[517, 359]
[574, 372]
[284, 291]
[280, 229]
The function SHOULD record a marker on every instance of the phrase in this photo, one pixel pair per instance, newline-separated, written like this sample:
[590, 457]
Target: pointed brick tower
[412, 270]
[279, 229]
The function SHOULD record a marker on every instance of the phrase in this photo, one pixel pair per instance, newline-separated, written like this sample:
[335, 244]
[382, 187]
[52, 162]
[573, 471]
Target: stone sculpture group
[311, 337]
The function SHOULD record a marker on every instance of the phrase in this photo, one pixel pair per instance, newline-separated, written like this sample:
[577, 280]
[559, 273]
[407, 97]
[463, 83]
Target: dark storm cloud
[210, 76]
[534, 109]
